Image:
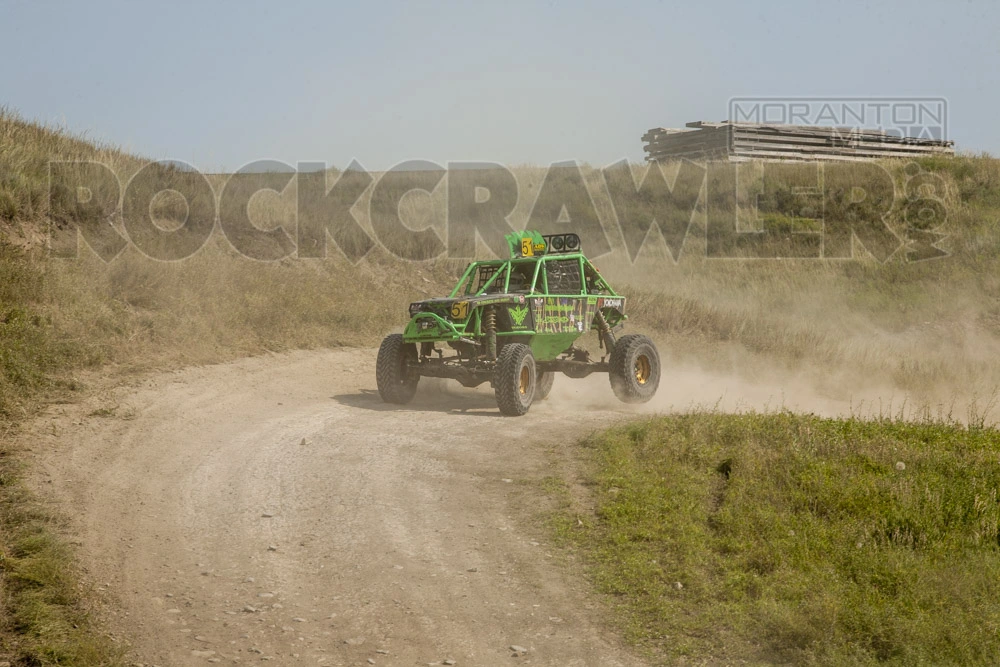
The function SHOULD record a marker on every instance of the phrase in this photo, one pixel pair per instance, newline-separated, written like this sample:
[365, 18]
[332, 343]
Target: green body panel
[549, 346]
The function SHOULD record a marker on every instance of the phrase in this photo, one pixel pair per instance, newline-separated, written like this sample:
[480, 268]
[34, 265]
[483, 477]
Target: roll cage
[559, 275]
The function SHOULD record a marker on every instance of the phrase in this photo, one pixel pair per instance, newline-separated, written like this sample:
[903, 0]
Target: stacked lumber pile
[738, 142]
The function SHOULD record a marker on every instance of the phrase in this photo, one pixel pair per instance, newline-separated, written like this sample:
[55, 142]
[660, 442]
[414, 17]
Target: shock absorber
[606, 339]
[490, 330]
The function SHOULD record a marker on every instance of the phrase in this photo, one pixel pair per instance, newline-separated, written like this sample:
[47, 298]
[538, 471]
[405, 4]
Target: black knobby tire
[634, 369]
[397, 382]
[515, 380]
[544, 385]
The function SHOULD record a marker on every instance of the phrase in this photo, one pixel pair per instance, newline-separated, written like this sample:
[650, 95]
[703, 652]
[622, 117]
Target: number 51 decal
[459, 310]
[527, 247]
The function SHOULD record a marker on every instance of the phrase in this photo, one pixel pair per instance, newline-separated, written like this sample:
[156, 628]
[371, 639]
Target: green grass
[31, 350]
[45, 620]
[782, 538]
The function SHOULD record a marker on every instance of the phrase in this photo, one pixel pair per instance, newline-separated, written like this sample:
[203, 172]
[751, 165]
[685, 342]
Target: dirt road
[275, 509]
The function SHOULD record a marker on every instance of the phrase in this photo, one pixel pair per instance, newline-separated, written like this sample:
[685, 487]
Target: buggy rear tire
[544, 386]
[634, 369]
[397, 382]
[515, 379]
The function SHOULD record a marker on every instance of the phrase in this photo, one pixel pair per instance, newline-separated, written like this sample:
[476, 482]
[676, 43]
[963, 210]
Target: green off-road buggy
[512, 322]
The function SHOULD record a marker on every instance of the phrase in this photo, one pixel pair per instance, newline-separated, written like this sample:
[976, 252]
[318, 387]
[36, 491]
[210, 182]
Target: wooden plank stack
[739, 142]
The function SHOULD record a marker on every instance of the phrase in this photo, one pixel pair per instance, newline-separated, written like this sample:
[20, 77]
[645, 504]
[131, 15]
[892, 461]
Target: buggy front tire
[515, 379]
[634, 369]
[397, 382]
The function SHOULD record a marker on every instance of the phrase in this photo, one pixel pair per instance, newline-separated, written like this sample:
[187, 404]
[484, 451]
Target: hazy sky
[220, 84]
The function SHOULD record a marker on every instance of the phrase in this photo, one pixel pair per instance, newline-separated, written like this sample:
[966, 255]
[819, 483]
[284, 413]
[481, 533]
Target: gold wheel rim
[642, 369]
[524, 381]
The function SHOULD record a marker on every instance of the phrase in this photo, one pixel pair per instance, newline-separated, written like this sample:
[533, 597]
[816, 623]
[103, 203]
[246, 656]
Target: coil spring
[607, 337]
[490, 329]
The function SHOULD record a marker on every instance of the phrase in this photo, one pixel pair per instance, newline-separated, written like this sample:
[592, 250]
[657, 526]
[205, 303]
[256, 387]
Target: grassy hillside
[928, 327]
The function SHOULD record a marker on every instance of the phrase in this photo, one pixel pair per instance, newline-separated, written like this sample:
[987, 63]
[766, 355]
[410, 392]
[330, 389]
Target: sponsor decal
[555, 307]
[518, 314]
[610, 303]
[492, 300]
